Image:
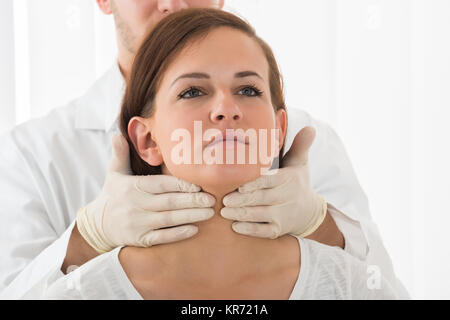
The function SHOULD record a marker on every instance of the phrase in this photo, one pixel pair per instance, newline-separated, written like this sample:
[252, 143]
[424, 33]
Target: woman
[207, 67]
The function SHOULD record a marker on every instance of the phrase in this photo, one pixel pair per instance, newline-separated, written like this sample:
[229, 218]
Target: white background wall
[377, 70]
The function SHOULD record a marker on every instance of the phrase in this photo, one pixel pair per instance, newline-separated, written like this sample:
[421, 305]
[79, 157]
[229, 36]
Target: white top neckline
[325, 273]
[134, 294]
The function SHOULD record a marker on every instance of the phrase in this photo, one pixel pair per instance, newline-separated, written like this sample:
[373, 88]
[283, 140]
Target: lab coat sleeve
[335, 179]
[31, 249]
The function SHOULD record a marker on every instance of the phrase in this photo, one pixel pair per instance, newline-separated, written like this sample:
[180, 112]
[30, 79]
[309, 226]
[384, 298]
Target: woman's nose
[171, 6]
[226, 110]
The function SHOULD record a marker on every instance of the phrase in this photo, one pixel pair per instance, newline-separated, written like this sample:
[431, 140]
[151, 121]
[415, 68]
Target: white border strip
[417, 96]
[22, 61]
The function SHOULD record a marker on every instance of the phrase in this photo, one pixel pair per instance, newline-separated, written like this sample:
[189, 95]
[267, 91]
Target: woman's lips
[228, 141]
[228, 138]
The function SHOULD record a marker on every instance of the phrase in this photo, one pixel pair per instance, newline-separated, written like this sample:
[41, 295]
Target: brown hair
[160, 47]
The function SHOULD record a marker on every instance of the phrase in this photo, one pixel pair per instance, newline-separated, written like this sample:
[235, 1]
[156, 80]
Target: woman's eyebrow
[199, 75]
[244, 74]
[195, 75]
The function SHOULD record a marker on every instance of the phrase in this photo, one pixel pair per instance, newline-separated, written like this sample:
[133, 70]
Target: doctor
[59, 209]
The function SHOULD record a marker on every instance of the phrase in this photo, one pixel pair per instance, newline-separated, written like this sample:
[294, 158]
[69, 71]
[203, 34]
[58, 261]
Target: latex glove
[132, 210]
[274, 205]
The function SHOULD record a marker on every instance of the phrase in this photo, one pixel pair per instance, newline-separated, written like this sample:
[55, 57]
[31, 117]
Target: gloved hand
[132, 210]
[274, 205]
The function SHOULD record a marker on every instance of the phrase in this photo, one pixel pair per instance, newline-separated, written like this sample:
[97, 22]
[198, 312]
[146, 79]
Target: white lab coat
[52, 166]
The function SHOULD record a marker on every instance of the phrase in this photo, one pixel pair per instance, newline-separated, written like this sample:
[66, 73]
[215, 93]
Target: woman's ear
[139, 131]
[281, 124]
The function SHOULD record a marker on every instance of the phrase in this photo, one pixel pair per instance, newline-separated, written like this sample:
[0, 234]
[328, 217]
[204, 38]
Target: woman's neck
[215, 233]
[218, 246]
[216, 250]
[218, 230]
[223, 250]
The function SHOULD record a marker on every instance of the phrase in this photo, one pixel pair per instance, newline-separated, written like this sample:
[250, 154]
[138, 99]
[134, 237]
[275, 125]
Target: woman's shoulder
[319, 252]
[332, 273]
[102, 278]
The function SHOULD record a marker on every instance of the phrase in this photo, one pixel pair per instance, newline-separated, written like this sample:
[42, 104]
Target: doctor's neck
[125, 62]
[126, 51]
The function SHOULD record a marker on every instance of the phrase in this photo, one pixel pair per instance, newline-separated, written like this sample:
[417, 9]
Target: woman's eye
[191, 93]
[250, 92]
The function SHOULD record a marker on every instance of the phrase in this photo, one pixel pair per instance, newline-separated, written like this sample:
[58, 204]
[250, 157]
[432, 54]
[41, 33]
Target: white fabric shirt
[326, 273]
[52, 166]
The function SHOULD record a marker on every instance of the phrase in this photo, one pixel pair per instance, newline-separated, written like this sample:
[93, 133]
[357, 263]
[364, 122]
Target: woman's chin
[226, 176]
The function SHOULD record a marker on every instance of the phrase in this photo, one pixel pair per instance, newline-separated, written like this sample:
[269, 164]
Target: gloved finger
[298, 153]
[120, 161]
[254, 229]
[264, 197]
[174, 201]
[176, 218]
[248, 214]
[158, 184]
[266, 181]
[168, 235]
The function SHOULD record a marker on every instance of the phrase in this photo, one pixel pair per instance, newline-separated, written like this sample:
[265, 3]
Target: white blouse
[325, 273]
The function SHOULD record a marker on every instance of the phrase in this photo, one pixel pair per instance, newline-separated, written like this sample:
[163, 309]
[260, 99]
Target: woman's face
[217, 83]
